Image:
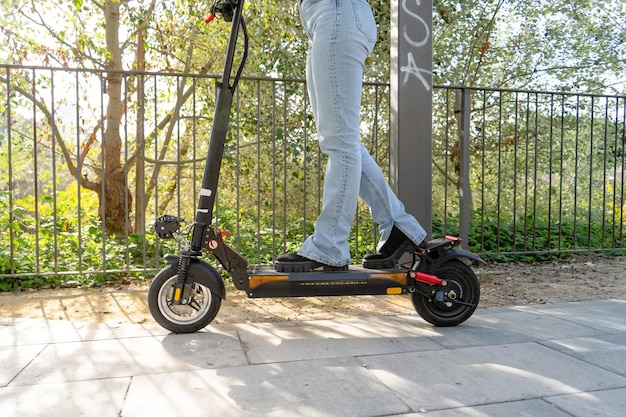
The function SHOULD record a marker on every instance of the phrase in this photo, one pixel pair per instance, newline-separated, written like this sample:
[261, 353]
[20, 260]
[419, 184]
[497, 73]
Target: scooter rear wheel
[463, 283]
[197, 313]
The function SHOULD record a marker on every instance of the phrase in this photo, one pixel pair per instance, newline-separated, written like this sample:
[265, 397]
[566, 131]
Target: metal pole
[411, 107]
[464, 187]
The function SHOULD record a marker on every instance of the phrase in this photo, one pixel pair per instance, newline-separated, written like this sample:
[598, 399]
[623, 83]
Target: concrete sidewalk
[549, 360]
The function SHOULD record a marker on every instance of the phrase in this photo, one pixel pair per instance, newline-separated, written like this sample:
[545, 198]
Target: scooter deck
[265, 282]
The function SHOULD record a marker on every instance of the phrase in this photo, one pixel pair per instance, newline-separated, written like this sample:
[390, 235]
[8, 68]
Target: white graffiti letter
[412, 68]
[421, 42]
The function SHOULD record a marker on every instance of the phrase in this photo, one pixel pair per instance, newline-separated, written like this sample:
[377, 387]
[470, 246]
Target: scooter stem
[204, 213]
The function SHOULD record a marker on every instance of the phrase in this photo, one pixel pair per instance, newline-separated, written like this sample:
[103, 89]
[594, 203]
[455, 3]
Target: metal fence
[545, 170]
[515, 172]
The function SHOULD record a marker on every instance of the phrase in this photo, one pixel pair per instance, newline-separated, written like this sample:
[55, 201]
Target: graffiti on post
[411, 68]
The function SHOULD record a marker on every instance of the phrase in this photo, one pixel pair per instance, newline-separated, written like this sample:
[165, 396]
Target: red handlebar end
[209, 19]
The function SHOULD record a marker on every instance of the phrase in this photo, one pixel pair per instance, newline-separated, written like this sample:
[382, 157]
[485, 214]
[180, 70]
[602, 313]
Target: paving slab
[608, 403]
[284, 342]
[23, 331]
[486, 375]
[394, 326]
[607, 352]
[319, 388]
[97, 398]
[606, 316]
[14, 359]
[525, 408]
[502, 326]
[114, 358]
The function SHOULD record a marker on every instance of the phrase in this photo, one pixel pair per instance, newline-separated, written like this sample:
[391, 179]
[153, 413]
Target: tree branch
[84, 181]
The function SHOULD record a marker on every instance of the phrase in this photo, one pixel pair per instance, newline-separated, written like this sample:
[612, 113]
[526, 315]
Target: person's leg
[342, 34]
[386, 209]
[400, 232]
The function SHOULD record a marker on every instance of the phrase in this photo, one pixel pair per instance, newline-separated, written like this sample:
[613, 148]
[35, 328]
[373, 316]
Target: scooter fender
[203, 273]
[455, 254]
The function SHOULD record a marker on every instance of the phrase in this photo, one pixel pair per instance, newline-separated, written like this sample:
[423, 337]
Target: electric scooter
[186, 295]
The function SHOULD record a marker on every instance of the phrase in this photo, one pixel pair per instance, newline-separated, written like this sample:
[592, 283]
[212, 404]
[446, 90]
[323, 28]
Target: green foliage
[51, 246]
[556, 45]
[501, 237]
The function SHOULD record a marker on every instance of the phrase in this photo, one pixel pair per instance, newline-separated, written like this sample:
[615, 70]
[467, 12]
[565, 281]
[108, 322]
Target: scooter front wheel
[195, 314]
[454, 305]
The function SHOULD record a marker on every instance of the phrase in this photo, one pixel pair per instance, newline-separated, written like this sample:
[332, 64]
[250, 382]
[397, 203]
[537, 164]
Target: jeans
[342, 33]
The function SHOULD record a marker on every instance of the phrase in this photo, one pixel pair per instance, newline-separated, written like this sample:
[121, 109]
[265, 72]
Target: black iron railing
[515, 172]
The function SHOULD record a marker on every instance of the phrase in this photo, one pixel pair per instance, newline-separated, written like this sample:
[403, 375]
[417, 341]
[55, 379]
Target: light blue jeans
[342, 33]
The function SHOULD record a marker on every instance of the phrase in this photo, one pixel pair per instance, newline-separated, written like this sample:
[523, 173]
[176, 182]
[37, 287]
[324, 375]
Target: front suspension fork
[184, 283]
[231, 261]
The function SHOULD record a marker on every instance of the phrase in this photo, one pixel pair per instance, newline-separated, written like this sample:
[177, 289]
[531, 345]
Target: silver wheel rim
[185, 313]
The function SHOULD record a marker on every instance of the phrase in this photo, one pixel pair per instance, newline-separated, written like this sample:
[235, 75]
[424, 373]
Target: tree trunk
[140, 183]
[117, 200]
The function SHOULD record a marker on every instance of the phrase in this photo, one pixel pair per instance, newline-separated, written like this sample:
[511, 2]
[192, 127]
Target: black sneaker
[293, 262]
[397, 244]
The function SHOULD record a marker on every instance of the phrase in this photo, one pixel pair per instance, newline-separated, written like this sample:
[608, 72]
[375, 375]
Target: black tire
[462, 280]
[188, 318]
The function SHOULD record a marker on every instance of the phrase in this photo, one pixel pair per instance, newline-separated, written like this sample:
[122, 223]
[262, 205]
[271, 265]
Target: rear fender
[455, 254]
[202, 273]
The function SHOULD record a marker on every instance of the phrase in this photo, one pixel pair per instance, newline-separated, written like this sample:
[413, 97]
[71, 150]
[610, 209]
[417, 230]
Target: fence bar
[464, 175]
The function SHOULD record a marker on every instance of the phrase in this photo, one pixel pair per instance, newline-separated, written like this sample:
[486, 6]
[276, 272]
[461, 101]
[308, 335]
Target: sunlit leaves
[556, 45]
